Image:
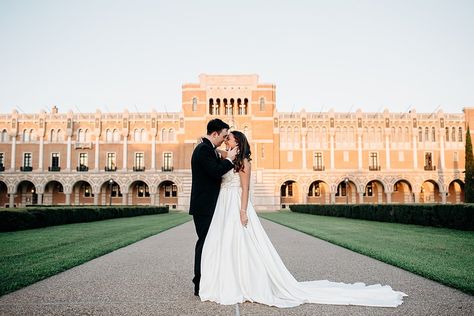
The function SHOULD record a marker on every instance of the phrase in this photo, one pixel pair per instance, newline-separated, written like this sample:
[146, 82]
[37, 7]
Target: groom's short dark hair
[216, 125]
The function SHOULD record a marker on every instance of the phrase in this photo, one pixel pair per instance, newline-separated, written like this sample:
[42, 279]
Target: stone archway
[402, 192]
[82, 193]
[289, 193]
[455, 192]
[346, 192]
[429, 192]
[318, 193]
[374, 192]
[168, 194]
[54, 193]
[110, 193]
[26, 194]
[139, 193]
[4, 199]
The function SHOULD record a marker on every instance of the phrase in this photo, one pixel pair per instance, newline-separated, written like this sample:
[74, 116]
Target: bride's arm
[245, 185]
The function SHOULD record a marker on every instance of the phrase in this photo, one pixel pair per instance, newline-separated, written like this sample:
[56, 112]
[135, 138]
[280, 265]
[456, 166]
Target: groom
[207, 171]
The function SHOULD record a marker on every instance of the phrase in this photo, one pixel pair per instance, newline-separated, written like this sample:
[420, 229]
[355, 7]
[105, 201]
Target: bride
[239, 263]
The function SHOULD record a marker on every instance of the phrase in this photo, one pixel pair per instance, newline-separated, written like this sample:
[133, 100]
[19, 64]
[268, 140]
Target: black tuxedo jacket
[207, 171]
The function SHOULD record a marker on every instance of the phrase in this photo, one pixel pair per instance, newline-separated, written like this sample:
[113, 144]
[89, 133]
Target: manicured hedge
[17, 219]
[458, 216]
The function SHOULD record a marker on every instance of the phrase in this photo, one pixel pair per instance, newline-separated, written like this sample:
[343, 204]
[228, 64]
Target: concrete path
[153, 277]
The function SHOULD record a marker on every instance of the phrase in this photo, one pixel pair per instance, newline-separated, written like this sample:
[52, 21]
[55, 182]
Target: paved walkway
[153, 277]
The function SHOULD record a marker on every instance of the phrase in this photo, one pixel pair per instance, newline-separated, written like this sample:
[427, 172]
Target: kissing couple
[235, 260]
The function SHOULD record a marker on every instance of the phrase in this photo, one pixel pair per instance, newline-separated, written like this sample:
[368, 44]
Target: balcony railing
[374, 168]
[82, 168]
[318, 168]
[26, 169]
[2, 168]
[430, 168]
[54, 168]
[110, 169]
[138, 169]
[166, 168]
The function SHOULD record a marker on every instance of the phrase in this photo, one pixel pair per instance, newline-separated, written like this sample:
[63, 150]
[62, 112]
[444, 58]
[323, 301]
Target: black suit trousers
[202, 223]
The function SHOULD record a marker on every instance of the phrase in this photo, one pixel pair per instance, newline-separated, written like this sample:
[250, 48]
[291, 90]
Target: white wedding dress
[240, 264]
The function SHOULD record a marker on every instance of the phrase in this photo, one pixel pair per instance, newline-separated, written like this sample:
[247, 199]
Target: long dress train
[240, 264]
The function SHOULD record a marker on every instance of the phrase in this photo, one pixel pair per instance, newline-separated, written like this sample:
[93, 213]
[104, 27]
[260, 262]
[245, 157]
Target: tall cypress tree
[469, 175]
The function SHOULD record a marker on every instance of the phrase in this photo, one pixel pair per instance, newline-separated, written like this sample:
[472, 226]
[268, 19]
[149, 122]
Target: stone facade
[301, 157]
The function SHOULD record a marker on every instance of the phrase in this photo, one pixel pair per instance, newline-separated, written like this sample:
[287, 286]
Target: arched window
[32, 136]
[171, 135]
[116, 136]
[52, 136]
[143, 135]
[433, 134]
[59, 136]
[453, 134]
[80, 136]
[407, 135]
[211, 106]
[194, 108]
[26, 136]
[4, 138]
[447, 134]
[164, 135]
[262, 104]
[108, 136]
[420, 134]
[460, 134]
[136, 135]
[218, 107]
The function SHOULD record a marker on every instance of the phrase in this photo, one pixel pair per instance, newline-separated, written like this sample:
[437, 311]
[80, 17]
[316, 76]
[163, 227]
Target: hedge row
[457, 216]
[17, 219]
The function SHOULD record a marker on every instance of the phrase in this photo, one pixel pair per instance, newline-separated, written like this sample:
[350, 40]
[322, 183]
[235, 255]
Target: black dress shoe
[196, 293]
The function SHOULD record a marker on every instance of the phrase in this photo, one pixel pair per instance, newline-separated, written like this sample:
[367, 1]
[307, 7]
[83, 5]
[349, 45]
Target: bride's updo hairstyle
[244, 150]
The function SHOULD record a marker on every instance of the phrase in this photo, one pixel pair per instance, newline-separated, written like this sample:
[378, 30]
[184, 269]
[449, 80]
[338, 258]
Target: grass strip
[32, 255]
[440, 254]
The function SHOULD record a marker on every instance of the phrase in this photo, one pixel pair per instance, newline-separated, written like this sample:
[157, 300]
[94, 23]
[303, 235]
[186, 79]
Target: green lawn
[32, 255]
[440, 254]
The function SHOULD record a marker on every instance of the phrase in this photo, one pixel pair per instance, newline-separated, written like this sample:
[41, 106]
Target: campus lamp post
[346, 181]
[110, 189]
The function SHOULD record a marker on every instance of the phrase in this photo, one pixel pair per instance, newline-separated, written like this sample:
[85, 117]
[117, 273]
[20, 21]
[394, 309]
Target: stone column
[41, 153]
[333, 197]
[415, 153]
[124, 198]
[361, 197]
[389, 197]
[96, 157]
[11, 202]
[332, 150]
[387, 151]
[441, 150]
[443, 197]
[68, 198]
[13, 154]
[359, 151]
[304, 153]
[125, 153]
[68, 163]
[96, 196]
[153, 153]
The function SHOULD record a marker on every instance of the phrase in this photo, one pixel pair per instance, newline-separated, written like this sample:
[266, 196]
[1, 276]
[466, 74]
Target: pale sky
[136, 54]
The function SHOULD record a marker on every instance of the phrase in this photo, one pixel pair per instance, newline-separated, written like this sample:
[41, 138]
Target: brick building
[301, 157]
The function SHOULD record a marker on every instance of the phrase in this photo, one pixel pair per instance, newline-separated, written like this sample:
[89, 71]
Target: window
[428, 161]
[27, 160]
[314, 189]
[164, 135]
[116, 190]
[287, 189]
[171, 135]
[55, 160]
[167, 161]
[420, 134]
[447, 134]
[194, 104]
[460, 135]
[4, 136]
[368, 189]
[83, 161]
[318, 161]
[171, 190]
[2, 161]
[139, 161]
[262, 104]
[87, 189]
[374, 161]
[111, 162]
[433, 134]
[137, 135]
[426, 134]
[59, 136]
[26, 136]
[52, 136]
[108, 136]
[116, 136]
[341, 189]
[455, 156]
[453, 134]
[142, 190]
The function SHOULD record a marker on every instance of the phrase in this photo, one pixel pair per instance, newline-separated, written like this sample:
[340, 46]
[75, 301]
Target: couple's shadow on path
[153, 277]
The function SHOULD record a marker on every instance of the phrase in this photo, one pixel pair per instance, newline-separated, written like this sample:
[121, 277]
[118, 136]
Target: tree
[469, 173]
